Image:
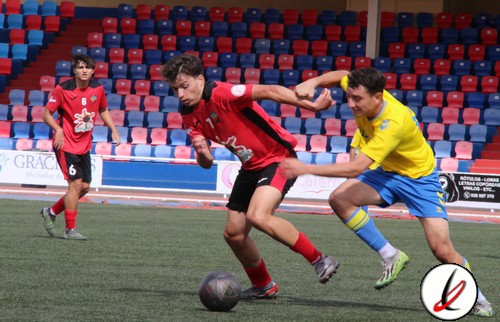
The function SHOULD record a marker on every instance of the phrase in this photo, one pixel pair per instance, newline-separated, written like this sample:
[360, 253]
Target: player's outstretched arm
[294, 168]
[284, 95]
[306, 89]
[204, 156]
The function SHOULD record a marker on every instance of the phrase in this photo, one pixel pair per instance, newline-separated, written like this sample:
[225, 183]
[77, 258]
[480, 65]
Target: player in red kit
[229, 114]
[77, 101]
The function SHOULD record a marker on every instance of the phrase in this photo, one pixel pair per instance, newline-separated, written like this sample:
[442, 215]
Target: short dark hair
[86, 59]
[370, 78]
[183, 64]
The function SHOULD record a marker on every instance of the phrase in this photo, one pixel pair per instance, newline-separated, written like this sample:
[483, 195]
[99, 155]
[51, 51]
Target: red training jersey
[228, 115]
[77, 109]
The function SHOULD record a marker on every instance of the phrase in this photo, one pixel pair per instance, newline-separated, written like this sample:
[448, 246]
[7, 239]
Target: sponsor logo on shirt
[52, 100]
[84, 121]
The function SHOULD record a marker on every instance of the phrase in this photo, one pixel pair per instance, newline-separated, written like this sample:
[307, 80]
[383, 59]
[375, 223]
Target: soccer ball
[220, 291]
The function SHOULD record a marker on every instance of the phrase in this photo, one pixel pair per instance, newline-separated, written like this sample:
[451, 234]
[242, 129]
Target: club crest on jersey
[93, 98]
[238, 90]
[84, 121]
[214, 117]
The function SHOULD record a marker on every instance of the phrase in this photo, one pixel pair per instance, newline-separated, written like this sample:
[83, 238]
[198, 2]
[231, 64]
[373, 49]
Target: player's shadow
[166, 293]
[335, 303]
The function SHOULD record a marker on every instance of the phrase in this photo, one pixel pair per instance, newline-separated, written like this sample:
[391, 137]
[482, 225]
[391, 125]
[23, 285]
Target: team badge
[238, 90]
[214, 117]
[93, 98]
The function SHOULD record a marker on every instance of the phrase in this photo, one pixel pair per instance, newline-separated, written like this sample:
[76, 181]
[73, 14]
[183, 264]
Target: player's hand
[292, 167]
[115, 136]
[305, 90]
[199, 144]
[59, 139]
[324, 100]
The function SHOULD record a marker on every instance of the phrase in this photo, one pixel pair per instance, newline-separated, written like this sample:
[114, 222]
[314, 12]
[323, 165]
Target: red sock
[258, 275]
[70, 216]
[58, 207]
[304, 247]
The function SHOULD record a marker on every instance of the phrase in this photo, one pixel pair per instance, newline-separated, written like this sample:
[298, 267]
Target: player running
[77, 101]
[393, 139]
[228, 114]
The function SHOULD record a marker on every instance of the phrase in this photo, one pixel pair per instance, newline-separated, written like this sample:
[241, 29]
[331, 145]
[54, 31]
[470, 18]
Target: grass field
[145, 264]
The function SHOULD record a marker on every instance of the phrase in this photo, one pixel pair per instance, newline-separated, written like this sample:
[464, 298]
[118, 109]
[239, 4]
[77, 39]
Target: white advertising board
[306, 187]
[39, 168]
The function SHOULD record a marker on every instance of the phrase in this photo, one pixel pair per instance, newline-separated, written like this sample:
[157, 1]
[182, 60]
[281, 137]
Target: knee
[84, 189]
[234, 237]
[443, 252]
[258, 220]
[337, 200]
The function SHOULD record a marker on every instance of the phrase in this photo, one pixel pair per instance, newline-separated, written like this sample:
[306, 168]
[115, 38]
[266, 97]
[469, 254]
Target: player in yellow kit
[393, 139]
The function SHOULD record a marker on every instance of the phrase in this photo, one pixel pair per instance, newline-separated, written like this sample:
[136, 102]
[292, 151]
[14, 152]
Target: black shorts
[248, 181]
[75, 166]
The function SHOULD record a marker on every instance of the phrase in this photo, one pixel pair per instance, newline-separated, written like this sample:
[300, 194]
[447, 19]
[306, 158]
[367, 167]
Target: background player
[392, 138]
[77, 101]
[228, 114]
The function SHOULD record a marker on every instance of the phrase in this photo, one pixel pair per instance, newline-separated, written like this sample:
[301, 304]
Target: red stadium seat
[290, 16]
[309, 17]
[142, 87]
[441, 67]
[489, 84]
[455, 99]
[430, 35]
[143, 11]
[449, 164]
[123, 86]
[44, 145]
[116, 55]
[266, 61]
[408, 82]
[118, 117]
[300, 47]
[243, 45]
[251, 75]
[183, 27]
[33, 22]
[209, 59]
[435, 98]
[158, 136]
[36, 113]
[135, 56]
[150, 42]
[24, 144]
[362, 62]
[139, 135]
[489, 36]
[182, 152]
[476, 52]
[94, 39]
[132, 102]
[463, 150]
[471, 115]
[396, 50]
[463, 20]
[257, 30]
[155, 72]
[225, 44]
[456, 51]
[276, 31]
[308, 74]
[333, 126]
[216, 14]
[235, 14]
[410, 35]
[233, 75]
[444, 20]
[450, 115]
[47, 83]
[387, 19]
[168, 42]
[318, 143]
[333, 32]
[435, 131]
[390, 81]
[319, 48]
[343, 63]
[422, 66]
[110, 25]
[352, 33]
[151, 103]
[52, 23]
[468, 83]
[202, 28]
[285, 62]
[161, 12]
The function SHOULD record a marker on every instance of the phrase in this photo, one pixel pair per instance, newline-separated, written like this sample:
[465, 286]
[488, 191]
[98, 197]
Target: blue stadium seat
[6, 144]
[247, 60]
[425, 19]
[457, 132]
[347, 18]
[179, 12]
[198, 13]
[461, 67]
[416, 50]
[220, 29]
[107, 84]
[337, 48]
[405, 19]
[119, 70]
[324, 158]
[449, 83]
[112, 40]
[291, 77]
[402, 65]
[142, 150]
[304, 62]
[271, 107]
[391, 34]
[155, 119]
[239, 30]
[398, 94]
[171, 104]
[228, 60]
[164, 27]
[223, 154]
[262, 46]
[429, 114]
[469, 36]
[36, 38]
[163, 151]
[178, 137]
[146, 26]
[314, 32]
[324, 63]
[449, 36]
[153, 56]
[161, 88]
[493, 52]
[293, 124]
[206, 44]
[4, 112]
[4, 50]
[213, 73]
[442, 149]
[134, 118]
[478, 133]
[428, 82]
[338, 144]
[436, 51]
[17, 96]
[482, 67]
[345, 112]
[186, 43]
[115, 101]
[41, 131]
[36, 97]
[19, 52]
[494, 100]
[253, 15]
[98, 54]
[21, 130]
[305, 157]
[383, 64]
[30, 7]
[327, 17]
[281, 46]
[272, 15]
[15, 21]
[492, 116]
[415, 98]
[294, 32]
[313, 126]
[357, 48]
[338, 95]
[477, 100]
[271, 76]
[131, 41]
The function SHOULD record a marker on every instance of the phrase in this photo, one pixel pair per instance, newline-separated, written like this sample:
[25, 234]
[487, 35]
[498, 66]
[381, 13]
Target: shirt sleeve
[55, 99]
[235, 95]
[355, 139]
[103, 100]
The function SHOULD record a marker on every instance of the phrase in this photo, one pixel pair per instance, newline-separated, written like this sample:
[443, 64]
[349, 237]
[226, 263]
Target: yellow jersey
[358, 143]
[394, 140]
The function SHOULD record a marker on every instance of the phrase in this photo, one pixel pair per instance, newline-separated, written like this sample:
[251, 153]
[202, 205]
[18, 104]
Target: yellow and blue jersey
[394, 139]
[357, 143]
